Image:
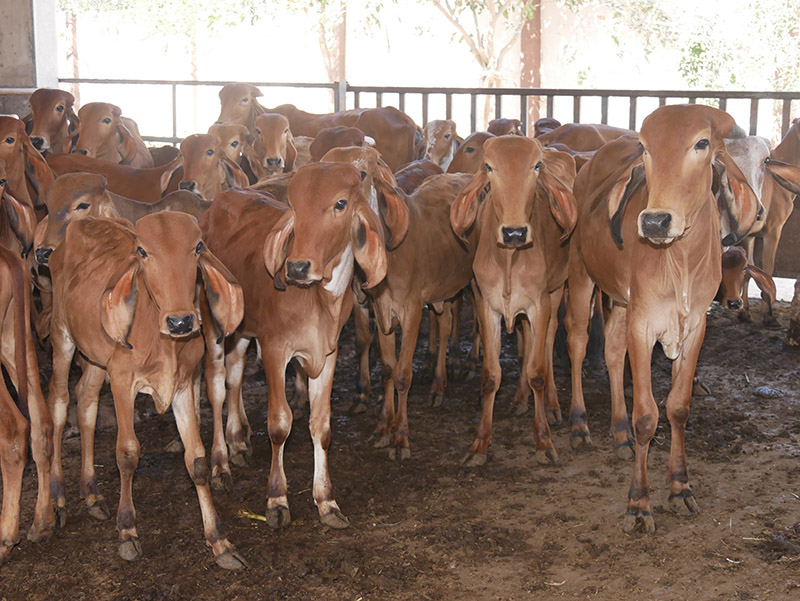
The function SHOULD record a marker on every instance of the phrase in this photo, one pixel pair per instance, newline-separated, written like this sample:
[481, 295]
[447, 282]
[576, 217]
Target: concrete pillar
[27, 52]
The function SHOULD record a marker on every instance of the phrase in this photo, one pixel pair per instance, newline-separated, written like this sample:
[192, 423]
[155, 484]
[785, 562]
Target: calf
[105, 134]
[582, 137]
[273, 145]
[239, 104]
[469, 155]
[503, 127]
[410, 177]
[439, 142]
[26, 170]
[145, 337]
[735, 267]
[207, 170]
[52, 121]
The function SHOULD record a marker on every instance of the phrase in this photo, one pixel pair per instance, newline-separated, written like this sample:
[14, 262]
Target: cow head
[544, 125]
[328, 224]
[735, 267]
[439, 142]
[168, 252]
[207, 170]
[503, 127]
[274, 144]
[334, 137]
[24, 164]
[72, 196]
[102, 134]
[238, 103]
[468, 157]
[233, 138]
[53, 120]
[516, 173]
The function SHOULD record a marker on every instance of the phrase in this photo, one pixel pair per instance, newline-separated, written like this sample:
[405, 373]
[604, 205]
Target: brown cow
[239, 104]
[544, 125]
[582, 137]
[503, 127]
[18, 356]
[411, 176]
[273, 144]
[649, 236]
[26, 170]
[207, 170]
[439, 142]
[735, 267]
[520, 267]
[335, 137]
[312, 244]
[469, 155]
[52, 120]
[105, 134]
[127, 300]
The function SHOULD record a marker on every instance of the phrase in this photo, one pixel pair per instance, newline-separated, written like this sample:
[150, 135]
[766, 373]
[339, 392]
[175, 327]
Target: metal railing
[530, 100]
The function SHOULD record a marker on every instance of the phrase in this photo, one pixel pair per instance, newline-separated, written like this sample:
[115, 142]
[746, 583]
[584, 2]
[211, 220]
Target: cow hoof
[222, 481]
[744, 316]
[625, 451]
[473, 459]
[399, 453]
[40, 534]
[61, 517]
[638, 518]
[381, 441]
[175, 446]
[6, 548]
[580, 440]
[771, 323]
[130, 550]
[335, 519]
[437, 398]
[553, 416]
[700, 390]
[278, 517]
[519, 408]
[240, 459]
[683, 501]
[546, 456]
[231, 560]
[99, 510]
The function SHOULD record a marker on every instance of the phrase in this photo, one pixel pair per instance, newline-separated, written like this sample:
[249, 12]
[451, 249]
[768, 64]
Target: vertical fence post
[753, 116]
[339, 96]
[632, 114]
[523, 114]
[174, 112]
[473, 112]
[604, 110]
[786, 115]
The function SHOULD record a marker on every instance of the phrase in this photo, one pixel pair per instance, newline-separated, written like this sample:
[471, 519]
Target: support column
[531, 55]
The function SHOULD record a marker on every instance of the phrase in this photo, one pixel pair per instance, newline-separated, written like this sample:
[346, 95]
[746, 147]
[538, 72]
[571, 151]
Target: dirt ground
[429, 529]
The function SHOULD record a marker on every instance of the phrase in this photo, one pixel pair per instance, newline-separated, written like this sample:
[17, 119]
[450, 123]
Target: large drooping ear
[763, 280]
[234, 176]
[127, 145]
[368, 246]
[118, 303]
[249, 154]
[737, 201]
[28, 121]
[225, 297]
[619, 195]
[276, 242]
[464, 209]
[22, 220]
[37, 171]
[788, 176]
[74, 122]
[169, 170]
[291, 154]
[392, 206]
[557, 175]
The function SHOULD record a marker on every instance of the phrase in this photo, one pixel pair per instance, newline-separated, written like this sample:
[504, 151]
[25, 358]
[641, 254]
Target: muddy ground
[428, 529]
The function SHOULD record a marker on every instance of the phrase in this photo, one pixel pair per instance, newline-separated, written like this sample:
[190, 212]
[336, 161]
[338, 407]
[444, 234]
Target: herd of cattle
[278, 224]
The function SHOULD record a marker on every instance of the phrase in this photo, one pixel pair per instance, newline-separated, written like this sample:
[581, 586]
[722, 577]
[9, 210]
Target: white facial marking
[373, 199]
[342, 273]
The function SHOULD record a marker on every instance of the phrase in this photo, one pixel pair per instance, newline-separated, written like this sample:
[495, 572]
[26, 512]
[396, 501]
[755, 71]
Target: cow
[18, 356]
[207, 170]
[735, 267]
[439, 142]
[105, 134]
[654, 211]
[502, 127]
[469, 154]
[520, 268]
[239, 104]
[335, 137]
[411, 176]
[52, 121]
[127, 300]
[582, 137]
[26, 170]
[295, 308]
[273, 144]
[544, 125]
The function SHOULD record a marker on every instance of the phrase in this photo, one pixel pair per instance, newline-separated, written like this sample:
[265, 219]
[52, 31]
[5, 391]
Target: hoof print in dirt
[231, 560]
[130, 550]
[683, 502]
[278, 517]
[546, 457]
[640, 520]
[335, 519]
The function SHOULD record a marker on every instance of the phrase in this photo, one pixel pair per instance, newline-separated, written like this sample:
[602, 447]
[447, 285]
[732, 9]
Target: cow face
[439, 142]
[206, 169]
[468, 157]
[232, 137]
[274, 144]
[237, 101]
[23, 162]
[505, 127]
[53, 117]
[735, 267]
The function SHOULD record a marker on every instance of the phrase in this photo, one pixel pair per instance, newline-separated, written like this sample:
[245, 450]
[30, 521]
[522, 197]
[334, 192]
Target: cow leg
[433, 336]
[645, 419]
[319, 424]
[88, 393]
[363, 338]
[615, 351]
[237, 431]
[523, 392]
[195, 458]
[58, 402]
[768, 254]
[678, 400]
[744, 313]
[14, 431]
[221, 477]
[402, 375]
[454, 362]
[127, 461]
[383, 431]
[536, 372]
[490, 380]
[553, 409]
[474, 355]
[445, 321]
[300, 395]
[279, 425]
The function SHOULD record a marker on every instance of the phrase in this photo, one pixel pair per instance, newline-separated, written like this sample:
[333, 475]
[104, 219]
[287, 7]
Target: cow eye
[59, 109]
[702, 144]
[3, 182]
[340, 205]
[258, 131]
[107, 120]
[363, 175]
[209, 152]
[537, 166]
[488, 167]
[199, 248]
[469, 149]
[141, 252]
[82, 207]
[286, 131]
[10, 140]
[245, 100]
[447, 136]
[235, 143]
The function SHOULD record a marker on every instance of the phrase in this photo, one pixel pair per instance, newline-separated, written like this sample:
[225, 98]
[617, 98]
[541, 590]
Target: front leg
[238, 430]
[221, 477]
[88, 393]
[383, 430]
[536, 372]
[402, 376]
[127, 460]
[445, 321]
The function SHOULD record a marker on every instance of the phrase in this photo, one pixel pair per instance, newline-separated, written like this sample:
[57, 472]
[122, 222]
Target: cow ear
[250, 155]
[169, 170]
[557, 176]
[22, 220]
[127, 145]
[619, 195]
[28, 121]
[276, 242]
[291, 154]
[368, 245]
[739, 203]
[118, 303]
[464, 209]
[74, 122]
[234, 176]
[788, 176]
[37, 171]
[225, 297]
[763, 280]
[392, 206]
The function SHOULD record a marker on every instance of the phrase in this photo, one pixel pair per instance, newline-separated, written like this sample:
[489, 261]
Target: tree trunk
[72, 55]
[531, 56]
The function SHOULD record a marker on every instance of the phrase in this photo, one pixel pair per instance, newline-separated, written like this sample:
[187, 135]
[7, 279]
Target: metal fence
[528, 103]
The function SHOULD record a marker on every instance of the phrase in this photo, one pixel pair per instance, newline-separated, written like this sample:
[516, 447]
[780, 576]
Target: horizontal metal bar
[189, 82]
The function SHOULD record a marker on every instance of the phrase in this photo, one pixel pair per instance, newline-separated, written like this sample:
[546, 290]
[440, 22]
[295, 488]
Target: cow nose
[43, 255]
[80, 151]
[514, 236]
[180, 325]
[37, 142]
[190, 185]
[297, 270]
[656, 225]
[274, 162]
[734, 304]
